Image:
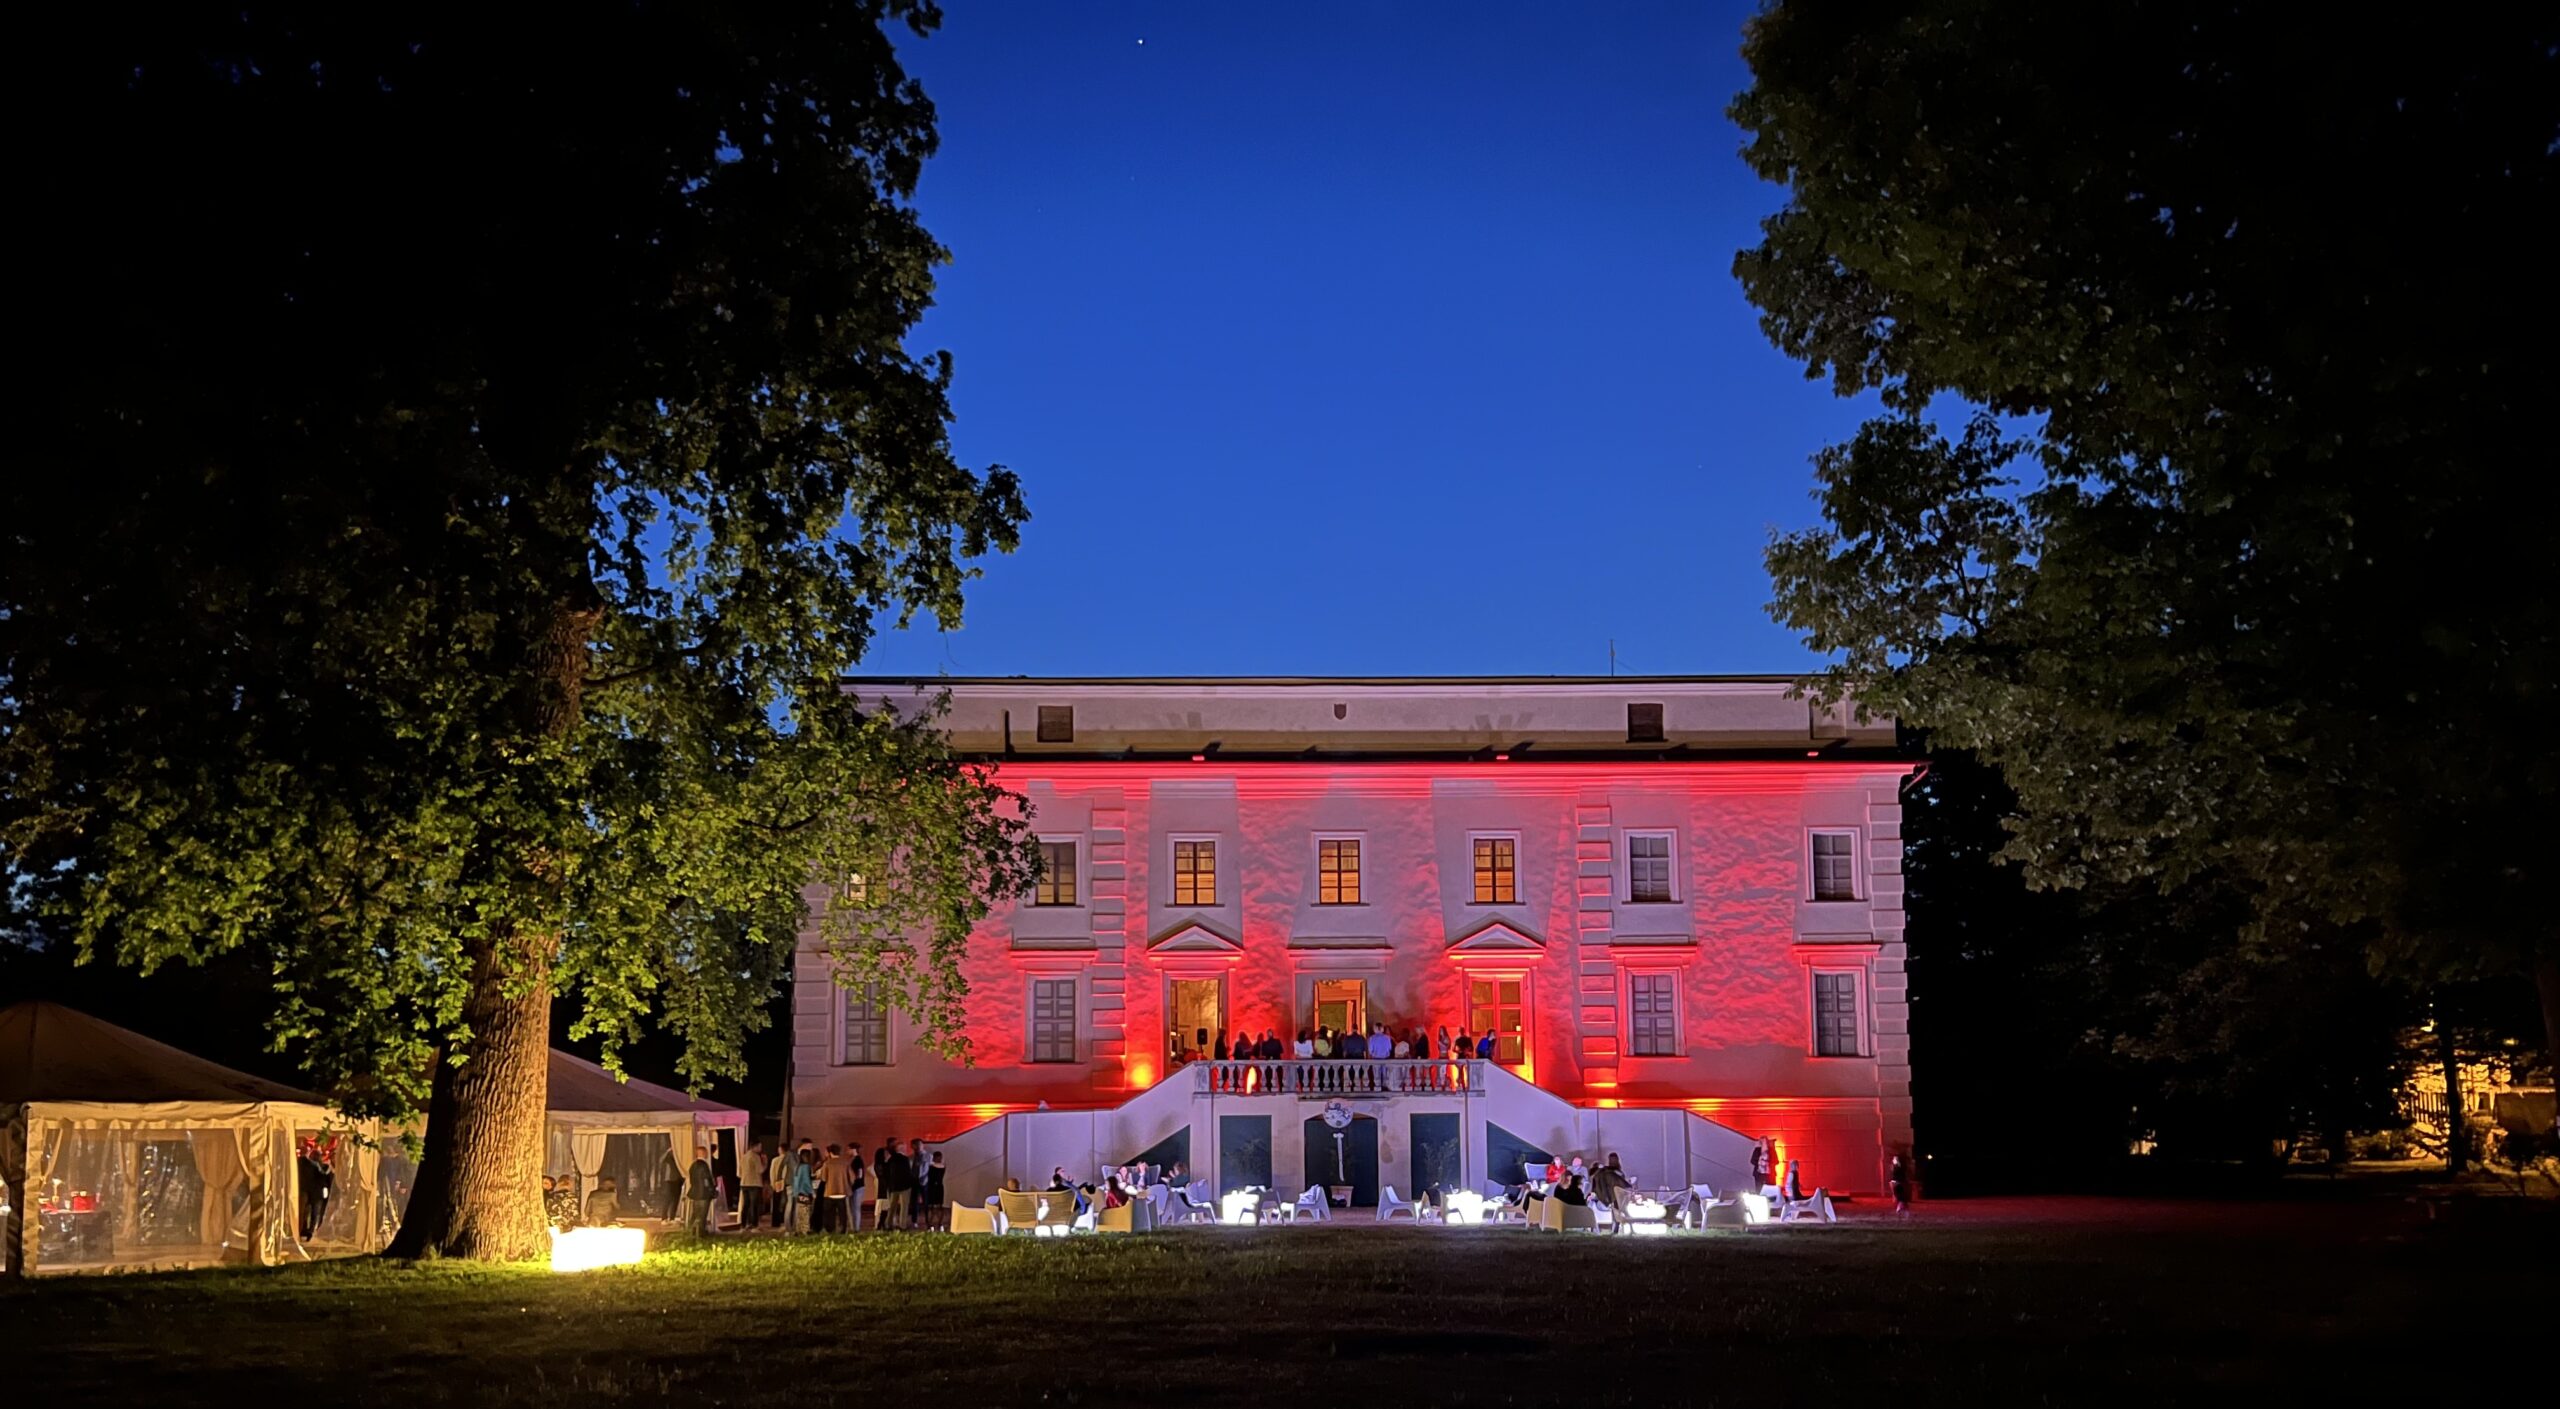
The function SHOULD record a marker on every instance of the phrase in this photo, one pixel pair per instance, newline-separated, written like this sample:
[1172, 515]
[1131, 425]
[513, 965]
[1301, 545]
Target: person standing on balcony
[1484, 1046]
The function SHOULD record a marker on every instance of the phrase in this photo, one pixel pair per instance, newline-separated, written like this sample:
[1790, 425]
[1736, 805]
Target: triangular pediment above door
[1493, 936]
[1193, 938]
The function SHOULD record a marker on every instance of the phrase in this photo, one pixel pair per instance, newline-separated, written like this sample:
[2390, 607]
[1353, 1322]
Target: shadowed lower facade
[1675, 904]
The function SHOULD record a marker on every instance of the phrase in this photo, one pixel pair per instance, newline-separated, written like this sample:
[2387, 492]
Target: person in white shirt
[777, 1183]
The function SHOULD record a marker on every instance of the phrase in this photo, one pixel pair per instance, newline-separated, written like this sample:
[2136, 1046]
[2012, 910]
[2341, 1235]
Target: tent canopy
[52, 1053]
[584, 1093]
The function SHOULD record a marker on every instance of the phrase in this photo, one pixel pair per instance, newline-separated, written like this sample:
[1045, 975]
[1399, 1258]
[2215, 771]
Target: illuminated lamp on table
[585, 1249]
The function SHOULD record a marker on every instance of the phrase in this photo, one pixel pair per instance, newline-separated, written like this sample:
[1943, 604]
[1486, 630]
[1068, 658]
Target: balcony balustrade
[1353, 1077]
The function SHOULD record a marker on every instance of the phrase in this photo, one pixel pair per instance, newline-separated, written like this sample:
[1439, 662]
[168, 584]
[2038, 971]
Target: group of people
[809, 1189]
[687, 1194]
[1379, 1043]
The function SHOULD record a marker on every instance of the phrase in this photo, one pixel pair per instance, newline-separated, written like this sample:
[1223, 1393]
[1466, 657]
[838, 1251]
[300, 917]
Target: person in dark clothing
[893, 1183]
[936, 1211]
[1484, 1046]
[1898, 1181]
[1570, 1191]
[315, 1180]
[698, 1191]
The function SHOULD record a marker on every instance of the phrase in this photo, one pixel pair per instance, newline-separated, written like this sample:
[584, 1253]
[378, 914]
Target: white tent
[589, 1110]
[119, 1153]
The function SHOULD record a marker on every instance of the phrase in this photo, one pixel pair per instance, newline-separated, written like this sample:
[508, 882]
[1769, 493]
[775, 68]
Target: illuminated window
[1835, 866]
[1644, 724]
[1494, 1004]
[1195, 873]
[1835, 1015]
[1338, 871]
[1653, 1014]
[1057, 884]
[1648, 866]
[1053, 1020]
[866, 1027]
[1497, 871]
[1057, 724]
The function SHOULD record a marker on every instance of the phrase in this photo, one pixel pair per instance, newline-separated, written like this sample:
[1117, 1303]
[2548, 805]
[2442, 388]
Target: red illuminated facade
[1658, 893]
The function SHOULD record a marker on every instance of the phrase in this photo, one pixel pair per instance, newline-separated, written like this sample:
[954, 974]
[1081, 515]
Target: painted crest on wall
[1336, 1114]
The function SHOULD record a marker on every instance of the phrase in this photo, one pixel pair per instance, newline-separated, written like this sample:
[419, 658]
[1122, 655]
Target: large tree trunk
[2457, 1153]
[479, 1188]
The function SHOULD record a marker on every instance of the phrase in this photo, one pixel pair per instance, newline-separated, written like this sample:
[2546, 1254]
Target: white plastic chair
[1200, 1205]
[1816, 1205]
[1389, 1205]
[1313, 1205]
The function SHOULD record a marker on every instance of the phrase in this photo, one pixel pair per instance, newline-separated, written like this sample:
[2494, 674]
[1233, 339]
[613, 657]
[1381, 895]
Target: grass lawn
[2069, 1300]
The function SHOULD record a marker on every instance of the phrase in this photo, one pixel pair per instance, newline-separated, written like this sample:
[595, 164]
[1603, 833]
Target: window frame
[1359, 844]
[1173, 868]
[1053, 724]
[845, 1025]
[1670, 864]
[1861, 1046]
[1476, 839]
[1813, 866]
[1076, 878]
[1033, 1036]
[1675, 1049]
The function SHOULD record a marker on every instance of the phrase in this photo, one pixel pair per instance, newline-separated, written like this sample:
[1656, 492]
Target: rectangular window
[1338, 871]
[1835, 1015]
[1497, 871]
[866, 1027]
[1057, 885]
[1494, 1004]
[1834, 866]
[1649, 867]
[1195, 873]
[1053, 1020]
[1653, 1005]
[1644, 724]
[1057, 724]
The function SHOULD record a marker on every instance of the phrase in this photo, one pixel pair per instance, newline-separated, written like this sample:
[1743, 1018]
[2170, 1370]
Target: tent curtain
[15, 1188]
[586, 1151]
[218, 1164]
[44, 1146]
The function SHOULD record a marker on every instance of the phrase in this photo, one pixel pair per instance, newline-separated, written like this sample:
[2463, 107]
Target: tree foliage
[475, 447]
[2220, 573]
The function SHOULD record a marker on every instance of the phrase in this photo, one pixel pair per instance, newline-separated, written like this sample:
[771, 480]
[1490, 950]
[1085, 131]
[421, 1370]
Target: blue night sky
[1360, 339]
